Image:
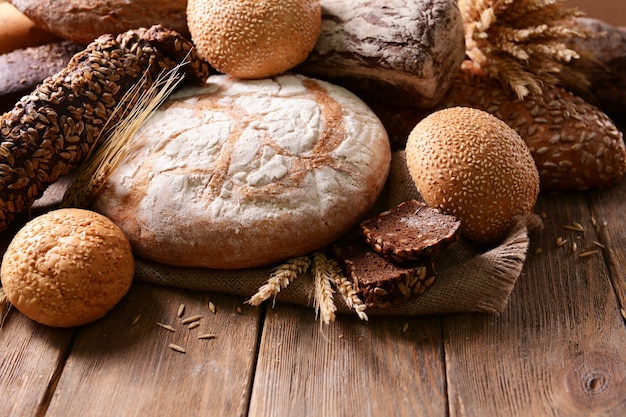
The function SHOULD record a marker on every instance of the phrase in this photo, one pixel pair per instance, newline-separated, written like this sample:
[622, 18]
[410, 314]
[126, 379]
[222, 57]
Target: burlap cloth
[470, 278]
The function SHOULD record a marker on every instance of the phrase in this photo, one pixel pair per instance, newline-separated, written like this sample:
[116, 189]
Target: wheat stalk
[280, 278]
[5, 306]
[521, 44]
[108, 154]
[346, 289]
[322, 290]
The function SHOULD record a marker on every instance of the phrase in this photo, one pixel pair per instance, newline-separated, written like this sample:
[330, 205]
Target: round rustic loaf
[84, 20]
[243, 173]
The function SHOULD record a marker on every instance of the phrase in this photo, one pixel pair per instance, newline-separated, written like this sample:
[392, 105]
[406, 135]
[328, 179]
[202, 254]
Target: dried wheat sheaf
[327, 275]
[521, 43]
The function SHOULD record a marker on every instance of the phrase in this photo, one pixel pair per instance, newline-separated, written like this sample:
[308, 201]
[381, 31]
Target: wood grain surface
[558, 349]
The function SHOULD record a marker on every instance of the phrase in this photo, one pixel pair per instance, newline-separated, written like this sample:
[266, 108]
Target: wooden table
[559, 348]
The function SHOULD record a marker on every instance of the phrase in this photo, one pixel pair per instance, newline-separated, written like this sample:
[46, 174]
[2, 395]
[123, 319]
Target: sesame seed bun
[472, 165]
[249, 39]
[67, 267]
[574, 144]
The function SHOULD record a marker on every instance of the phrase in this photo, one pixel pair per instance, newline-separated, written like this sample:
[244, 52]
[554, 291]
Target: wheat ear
[346, 289]
[109, 153]
[322, 291]
[280, 278]
[5, 305]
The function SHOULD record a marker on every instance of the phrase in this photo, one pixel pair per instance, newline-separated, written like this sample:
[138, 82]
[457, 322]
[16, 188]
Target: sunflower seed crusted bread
[411, 230]
[243, 173]
[378, 281]
[51, 130]
[575, 145]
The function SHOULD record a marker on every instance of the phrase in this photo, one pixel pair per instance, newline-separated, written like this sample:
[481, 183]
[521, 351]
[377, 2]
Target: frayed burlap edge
[469, 278]
[481, 282]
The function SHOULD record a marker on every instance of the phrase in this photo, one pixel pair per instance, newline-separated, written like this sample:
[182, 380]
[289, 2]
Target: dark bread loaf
[575, 145]
[378, 281]
[23, 69]
[410, 231]
[51, 130]
[607, 53]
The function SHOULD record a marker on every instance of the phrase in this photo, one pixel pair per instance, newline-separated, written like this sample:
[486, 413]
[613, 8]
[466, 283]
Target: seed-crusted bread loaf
[411, 230]
[52, 130]
[575, 145]
[378, 281]
[240, 173]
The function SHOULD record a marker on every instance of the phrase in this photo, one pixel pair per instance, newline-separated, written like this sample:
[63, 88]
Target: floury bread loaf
[238, 174]
[403, 52]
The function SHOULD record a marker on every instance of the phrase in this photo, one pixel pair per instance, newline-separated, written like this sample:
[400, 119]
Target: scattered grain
[588, 253]
[560, 241]
[194, 325]
[166, 326]
[181, 311]
[207, 336]
[191, 319]
[136, 320]
[177, 348]
[405, 327]
[576, 227]
[212, 308]
[599, 244]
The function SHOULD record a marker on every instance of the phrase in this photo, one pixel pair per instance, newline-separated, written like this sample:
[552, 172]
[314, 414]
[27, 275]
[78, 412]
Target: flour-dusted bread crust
[240, 174]
[402, 52]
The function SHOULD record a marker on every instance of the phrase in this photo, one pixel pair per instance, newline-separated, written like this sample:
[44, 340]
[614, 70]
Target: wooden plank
[348, 368]
[558, 348]
[609, 212]
[123, 365]
[31, 357]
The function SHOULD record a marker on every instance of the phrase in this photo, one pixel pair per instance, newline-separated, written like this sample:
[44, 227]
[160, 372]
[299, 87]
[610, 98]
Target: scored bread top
[242, 173]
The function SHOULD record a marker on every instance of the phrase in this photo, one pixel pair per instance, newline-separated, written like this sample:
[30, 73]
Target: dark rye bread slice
[411, 230]
[378, 281]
